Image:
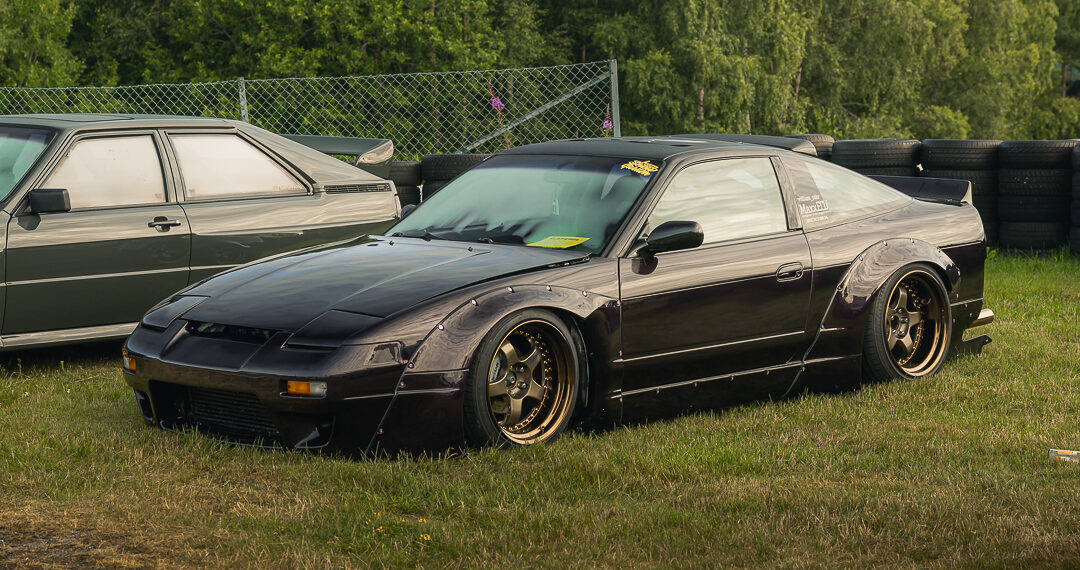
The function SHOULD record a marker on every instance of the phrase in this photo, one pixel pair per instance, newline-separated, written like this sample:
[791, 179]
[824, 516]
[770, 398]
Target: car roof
[74, 121]
[663, 147]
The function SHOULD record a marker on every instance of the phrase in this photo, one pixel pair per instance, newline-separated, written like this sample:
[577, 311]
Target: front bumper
[368, 409]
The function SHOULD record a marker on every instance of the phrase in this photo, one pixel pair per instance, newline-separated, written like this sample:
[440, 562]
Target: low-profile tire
[909, 327]
[983, 182]
[965, 154]
[876, 153]
[523, 382]
[408, 195]
[1036, 154]
[405, 173]
[430, 187]
[1033, 208]
[1032, 235]
[448, 166]
[1034, 181]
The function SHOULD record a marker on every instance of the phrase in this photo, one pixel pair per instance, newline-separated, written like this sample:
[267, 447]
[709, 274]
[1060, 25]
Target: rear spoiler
[795, 145]
[372, 155]
[941, 190]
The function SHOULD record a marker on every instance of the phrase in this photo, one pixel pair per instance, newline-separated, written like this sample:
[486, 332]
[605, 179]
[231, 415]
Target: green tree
[33, 49]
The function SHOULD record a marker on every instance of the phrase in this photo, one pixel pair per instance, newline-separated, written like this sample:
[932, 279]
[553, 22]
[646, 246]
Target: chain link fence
[456, 111]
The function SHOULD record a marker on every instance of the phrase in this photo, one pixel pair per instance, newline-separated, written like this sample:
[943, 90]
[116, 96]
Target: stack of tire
[972, 160]
[438, 169]
[1034, 187]
[823, 144]
[885, 157]
[1074, 231]
[407, 179]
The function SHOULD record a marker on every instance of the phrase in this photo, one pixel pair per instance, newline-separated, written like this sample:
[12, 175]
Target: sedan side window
[227, 166]
[111, 171]
[731, 199]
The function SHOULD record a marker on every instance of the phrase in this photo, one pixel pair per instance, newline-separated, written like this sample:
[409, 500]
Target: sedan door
[716, 324]
[245, 204]
[123, 246]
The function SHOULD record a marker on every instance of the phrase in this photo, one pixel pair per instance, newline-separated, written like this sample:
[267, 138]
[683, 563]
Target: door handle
[789, 271]
[162, 223]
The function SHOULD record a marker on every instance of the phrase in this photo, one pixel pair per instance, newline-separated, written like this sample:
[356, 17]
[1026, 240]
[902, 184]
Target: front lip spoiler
[986, 316]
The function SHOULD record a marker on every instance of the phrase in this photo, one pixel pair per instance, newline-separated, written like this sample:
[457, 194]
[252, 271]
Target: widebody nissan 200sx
[575, 282]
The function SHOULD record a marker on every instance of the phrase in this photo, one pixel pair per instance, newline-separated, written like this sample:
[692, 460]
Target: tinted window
[216, 166]
[565, 202]
[112, 171]
[731, 199]
[19, 149]
[827, 194]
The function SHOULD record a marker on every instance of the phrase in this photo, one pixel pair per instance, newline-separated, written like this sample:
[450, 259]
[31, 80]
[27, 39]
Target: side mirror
[406, 210]
[45, 200]
[673, 236]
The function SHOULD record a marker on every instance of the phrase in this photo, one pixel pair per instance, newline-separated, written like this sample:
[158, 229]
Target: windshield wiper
[421, 233]
[503, 238]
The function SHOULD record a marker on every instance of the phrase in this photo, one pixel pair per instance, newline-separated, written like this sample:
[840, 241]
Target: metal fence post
[243, 99]
[617, 128]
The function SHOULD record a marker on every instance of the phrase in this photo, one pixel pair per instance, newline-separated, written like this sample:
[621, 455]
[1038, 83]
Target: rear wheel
[523, 383]
[909, 328]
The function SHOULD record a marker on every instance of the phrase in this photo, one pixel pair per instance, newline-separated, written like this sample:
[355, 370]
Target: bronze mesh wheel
[909, 327]
[523, 384]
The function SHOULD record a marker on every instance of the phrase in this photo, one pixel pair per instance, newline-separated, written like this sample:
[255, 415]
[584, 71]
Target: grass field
[946, 471]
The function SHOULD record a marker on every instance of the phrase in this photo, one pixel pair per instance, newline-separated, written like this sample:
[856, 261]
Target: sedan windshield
[19, 148]
[565, 202]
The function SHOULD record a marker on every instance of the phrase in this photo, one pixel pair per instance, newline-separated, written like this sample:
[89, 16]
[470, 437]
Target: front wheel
[909, 328]
[523, 383]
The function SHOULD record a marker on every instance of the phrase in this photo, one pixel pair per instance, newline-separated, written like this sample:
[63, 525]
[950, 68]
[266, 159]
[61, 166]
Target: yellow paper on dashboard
[559, 242]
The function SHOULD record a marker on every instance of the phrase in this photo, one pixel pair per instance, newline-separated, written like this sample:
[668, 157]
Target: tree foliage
[859, 68]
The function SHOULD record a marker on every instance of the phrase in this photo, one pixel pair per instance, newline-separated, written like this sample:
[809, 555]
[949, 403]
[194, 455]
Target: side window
[827, 194]
[219, 166]
[111, 171]
[731, 199]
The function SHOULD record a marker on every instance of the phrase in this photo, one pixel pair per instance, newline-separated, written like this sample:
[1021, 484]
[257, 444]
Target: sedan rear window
[20, 148]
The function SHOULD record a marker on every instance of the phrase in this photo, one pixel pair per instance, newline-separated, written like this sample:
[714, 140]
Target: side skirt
[65, 336]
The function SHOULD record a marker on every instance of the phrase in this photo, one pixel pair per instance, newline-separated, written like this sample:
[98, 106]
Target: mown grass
[946, 471]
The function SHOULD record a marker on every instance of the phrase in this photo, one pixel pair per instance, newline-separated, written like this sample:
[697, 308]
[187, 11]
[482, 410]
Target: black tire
[1033, 208]
[1075, 212]
[1076, 185]
[406, 173]
[987, 207]
[960, 154]
[1032, 235]
[990, 228]
[1076, 157]
[983, 182]
[448, 166]
[542, 387]
[887, 171]
[1074, 240]
[823, 144]
[430, 187]
[876, 153]
[894, 346]
[1036, 154]
[408, 195]
[1034, 182]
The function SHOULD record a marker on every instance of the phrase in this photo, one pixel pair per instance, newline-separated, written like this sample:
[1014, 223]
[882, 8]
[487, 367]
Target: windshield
[565, 202]
[20, 147]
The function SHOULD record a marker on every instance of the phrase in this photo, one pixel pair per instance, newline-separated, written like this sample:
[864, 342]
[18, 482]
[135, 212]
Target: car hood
[374, 276]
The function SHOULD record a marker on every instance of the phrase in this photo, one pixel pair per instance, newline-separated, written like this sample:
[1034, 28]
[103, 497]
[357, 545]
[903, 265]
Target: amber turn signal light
[297, 388]
[129, 362]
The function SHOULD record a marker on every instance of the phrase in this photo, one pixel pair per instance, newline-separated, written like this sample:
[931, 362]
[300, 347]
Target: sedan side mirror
[45, 200]
[673, 236]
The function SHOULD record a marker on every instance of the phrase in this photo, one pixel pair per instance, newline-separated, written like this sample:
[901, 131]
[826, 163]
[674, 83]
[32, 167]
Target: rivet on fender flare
[413, 364]
[441, 327]
[510, 289]
[380, 431]
[401, 384]
[473, 301]
[584, 293]
[548, 287]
